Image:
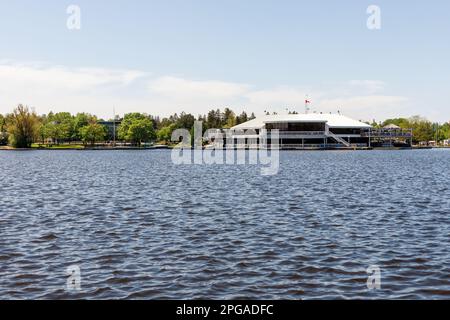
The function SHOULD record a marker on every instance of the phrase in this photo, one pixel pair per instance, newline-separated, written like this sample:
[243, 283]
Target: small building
[316, 131]
[391, 127]
[111, 127]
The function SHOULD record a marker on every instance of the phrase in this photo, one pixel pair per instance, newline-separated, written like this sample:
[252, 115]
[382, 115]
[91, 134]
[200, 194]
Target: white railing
[284, 133]
[299, 146]
[302, 133]
[322, 146]
[386, 133]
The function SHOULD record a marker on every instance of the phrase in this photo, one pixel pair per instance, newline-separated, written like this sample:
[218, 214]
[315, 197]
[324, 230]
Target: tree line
[423, 129]
[23, 127]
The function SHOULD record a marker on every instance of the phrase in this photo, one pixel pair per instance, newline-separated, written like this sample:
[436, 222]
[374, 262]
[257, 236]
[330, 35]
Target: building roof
[333, 121]
[391, 126]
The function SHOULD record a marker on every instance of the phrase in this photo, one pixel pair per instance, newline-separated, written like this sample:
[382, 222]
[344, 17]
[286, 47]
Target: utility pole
[114, 127]
[437, 133]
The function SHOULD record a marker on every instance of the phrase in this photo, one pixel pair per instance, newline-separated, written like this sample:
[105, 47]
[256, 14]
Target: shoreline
[85, 149]
[6, 148]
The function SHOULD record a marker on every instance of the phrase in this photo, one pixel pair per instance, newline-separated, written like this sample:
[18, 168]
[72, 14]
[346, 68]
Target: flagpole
[306, 104]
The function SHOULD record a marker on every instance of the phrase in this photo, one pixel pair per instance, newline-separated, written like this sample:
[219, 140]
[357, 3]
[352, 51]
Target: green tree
[41, 135]
[3, 133]
[49, 130]
[165, 134]
[22, 127]
[422, 129]
[242, 118]
[136, 128]
[229, 119]
[79, 121]
[374, 124]
[444, 131]
[92, 133]
[401, 122]
[165, 123]
[214, 119]
[128, 119]
[185, 121]
[64, 125]
[141, 131]
[58, 127]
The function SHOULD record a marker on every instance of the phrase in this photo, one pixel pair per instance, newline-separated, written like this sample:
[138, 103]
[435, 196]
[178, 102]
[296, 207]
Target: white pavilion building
[316, 131]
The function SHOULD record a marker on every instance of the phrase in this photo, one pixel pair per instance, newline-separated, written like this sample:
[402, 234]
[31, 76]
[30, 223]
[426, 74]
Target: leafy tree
[2, 123]
[22, 127]
[92, 133]
[185, 121]
[41, 129]
[58, 127]
[401, 122]
[229, 119]
[375, 124]
[214, 119]
[79, 121]
[165, 134]
[136, 128]
[242, 118]
[3, 133]
[126, 123]
[64, 123]
[49, 130]
[141, 131]
[165, 123]
[422, 129]
[444, 131]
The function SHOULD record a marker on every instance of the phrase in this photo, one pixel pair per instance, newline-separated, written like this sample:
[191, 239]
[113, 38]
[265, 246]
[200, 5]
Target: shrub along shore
[24, 129]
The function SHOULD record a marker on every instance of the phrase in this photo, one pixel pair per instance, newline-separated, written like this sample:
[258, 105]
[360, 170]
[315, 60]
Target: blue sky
[170, 56]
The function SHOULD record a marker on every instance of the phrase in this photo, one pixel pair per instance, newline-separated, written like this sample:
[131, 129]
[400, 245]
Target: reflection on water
[142, 228]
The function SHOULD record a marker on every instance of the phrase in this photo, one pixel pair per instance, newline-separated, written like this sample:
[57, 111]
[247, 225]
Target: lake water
[140, 227]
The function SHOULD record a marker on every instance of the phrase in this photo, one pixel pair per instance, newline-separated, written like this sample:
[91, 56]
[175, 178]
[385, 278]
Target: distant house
[446, 143]
[111, 126]
[391, 127]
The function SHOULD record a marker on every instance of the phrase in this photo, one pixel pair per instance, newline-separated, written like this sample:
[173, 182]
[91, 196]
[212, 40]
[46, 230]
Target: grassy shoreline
[79, 147]
[164, 147]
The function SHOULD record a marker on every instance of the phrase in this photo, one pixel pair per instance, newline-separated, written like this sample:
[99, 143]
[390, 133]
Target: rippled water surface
[140, 227]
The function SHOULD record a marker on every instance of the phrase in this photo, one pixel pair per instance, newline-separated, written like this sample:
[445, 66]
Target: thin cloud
[60, 77]
[97, 90]
[366, 107]
[180, 88]
[367, 86]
